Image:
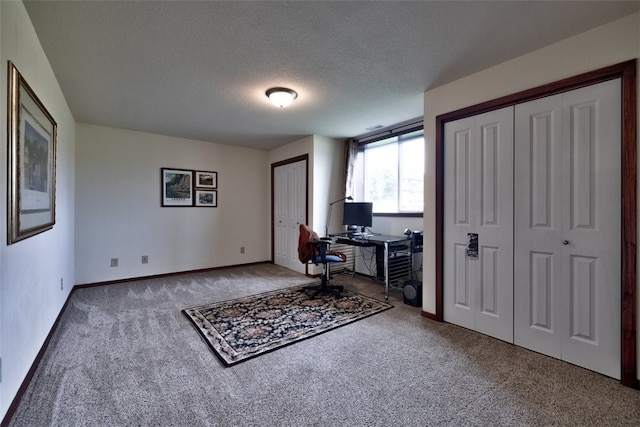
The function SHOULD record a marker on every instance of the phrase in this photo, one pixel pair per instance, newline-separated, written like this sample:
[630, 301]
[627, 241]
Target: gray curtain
[351, 152]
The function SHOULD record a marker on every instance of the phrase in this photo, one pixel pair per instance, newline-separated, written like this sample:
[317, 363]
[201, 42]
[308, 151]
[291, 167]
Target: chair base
[324, 288]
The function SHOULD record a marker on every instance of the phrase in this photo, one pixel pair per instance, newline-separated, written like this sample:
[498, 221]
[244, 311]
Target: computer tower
[413, 293]
[416, 241]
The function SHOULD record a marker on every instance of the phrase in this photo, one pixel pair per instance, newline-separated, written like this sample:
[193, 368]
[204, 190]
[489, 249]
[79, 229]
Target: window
[390, 173]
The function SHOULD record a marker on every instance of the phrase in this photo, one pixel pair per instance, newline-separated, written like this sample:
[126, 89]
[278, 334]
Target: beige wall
[301, 147]
[328, 181]
[325, 177]
[607, 45]
[325, 173]
[118, 205]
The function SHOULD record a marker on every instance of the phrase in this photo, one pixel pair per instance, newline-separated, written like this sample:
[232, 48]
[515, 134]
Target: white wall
[606, 45]
[301, 147]
[31, 270]
[118, 212]
[326, 165]
[328, 182]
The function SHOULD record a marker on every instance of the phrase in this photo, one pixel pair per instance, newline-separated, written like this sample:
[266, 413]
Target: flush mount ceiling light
[281, 96]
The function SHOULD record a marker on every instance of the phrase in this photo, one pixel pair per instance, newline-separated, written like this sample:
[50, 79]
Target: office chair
[314, 250]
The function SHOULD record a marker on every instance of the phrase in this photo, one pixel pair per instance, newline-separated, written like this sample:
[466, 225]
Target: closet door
[567, 231]
[538, 226]
[290, 195]
[591, 127]
[478, 292]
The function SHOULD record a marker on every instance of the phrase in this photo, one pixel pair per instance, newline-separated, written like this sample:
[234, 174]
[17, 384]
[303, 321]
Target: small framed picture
[206, 179]
[31, 162]
[176, 187]
[206, 198]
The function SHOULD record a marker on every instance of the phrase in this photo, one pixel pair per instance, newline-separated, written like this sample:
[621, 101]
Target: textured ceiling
[200, 69]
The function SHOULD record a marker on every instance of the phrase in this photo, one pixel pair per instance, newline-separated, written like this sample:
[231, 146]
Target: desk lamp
[326, 229]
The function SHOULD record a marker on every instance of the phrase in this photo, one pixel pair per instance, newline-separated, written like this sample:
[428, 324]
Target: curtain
[351, 153]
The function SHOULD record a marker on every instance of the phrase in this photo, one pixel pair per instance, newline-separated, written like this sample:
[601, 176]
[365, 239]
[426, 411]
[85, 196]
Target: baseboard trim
[32, 370]
[430, 316]
[177, 273]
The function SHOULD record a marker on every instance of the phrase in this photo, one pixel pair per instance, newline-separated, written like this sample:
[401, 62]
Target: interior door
[290, 201]
[568, 226]
[538, 226]
[478, 290]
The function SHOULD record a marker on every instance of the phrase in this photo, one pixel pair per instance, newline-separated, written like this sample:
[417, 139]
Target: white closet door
[538, 226]
[568, 219]
[290, 192]
[591, 224]
[478, 292]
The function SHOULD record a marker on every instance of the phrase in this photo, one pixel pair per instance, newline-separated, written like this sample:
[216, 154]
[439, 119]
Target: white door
[290, 195]
[478, 292]
[568, 219]
[538, 226]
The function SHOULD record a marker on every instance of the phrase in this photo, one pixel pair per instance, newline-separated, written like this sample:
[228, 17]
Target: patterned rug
[243, 328]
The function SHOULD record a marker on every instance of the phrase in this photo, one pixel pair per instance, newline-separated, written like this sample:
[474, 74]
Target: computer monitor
[360, 214]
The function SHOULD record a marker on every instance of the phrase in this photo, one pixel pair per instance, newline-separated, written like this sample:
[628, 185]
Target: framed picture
[177, 187]
[206, 179]
[206, 198]
[31, 162]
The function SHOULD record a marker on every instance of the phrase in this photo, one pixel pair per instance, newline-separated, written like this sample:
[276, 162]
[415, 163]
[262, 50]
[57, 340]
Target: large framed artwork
[31, 162]
[177, 187]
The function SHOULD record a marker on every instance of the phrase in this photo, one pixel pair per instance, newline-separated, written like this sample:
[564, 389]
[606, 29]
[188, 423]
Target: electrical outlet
[241, 249]
[145, 259]
[61, 283]
[114, 262]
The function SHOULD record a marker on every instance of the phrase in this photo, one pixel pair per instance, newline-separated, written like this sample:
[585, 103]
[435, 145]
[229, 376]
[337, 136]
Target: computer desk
[392, 252]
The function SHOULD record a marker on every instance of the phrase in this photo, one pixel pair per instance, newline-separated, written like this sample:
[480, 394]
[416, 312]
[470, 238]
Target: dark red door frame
[626, 71]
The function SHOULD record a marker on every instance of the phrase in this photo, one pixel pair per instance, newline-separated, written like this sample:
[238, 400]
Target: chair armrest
[323, 245]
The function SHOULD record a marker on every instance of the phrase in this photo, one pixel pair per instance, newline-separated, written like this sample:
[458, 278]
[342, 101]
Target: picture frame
[31, 157]
[176, 187]
[206, 198]
[206, 179]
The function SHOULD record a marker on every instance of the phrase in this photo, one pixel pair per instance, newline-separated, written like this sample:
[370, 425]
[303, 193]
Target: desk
[393, 256]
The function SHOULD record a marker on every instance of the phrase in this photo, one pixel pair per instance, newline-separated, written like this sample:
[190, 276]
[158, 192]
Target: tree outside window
[393, 174]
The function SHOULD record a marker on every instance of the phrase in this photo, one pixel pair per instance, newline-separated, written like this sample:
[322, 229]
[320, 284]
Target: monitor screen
[360, 214]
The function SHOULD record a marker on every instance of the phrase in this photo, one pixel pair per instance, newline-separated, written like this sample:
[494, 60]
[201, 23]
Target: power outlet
[241, 249]
[145, 259]
[61, 283]
[114, 262]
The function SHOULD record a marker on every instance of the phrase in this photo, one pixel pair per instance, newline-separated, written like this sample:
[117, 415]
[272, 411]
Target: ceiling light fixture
[281, 96]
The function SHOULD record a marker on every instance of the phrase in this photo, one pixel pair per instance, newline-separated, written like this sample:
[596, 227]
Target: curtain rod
[390, 132]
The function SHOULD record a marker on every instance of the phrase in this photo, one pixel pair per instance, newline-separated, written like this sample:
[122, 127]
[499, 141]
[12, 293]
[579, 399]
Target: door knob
[565, 242]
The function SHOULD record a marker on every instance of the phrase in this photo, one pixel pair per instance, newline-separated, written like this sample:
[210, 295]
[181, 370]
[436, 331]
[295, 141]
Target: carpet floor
[239, 329]
[125, 355]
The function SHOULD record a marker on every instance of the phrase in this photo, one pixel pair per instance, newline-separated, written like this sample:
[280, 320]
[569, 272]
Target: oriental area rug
[240, 329]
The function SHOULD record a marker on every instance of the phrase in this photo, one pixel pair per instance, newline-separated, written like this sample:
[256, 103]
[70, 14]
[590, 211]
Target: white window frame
[361, 165]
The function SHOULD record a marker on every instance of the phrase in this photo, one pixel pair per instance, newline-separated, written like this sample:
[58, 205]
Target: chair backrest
[307, 247]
